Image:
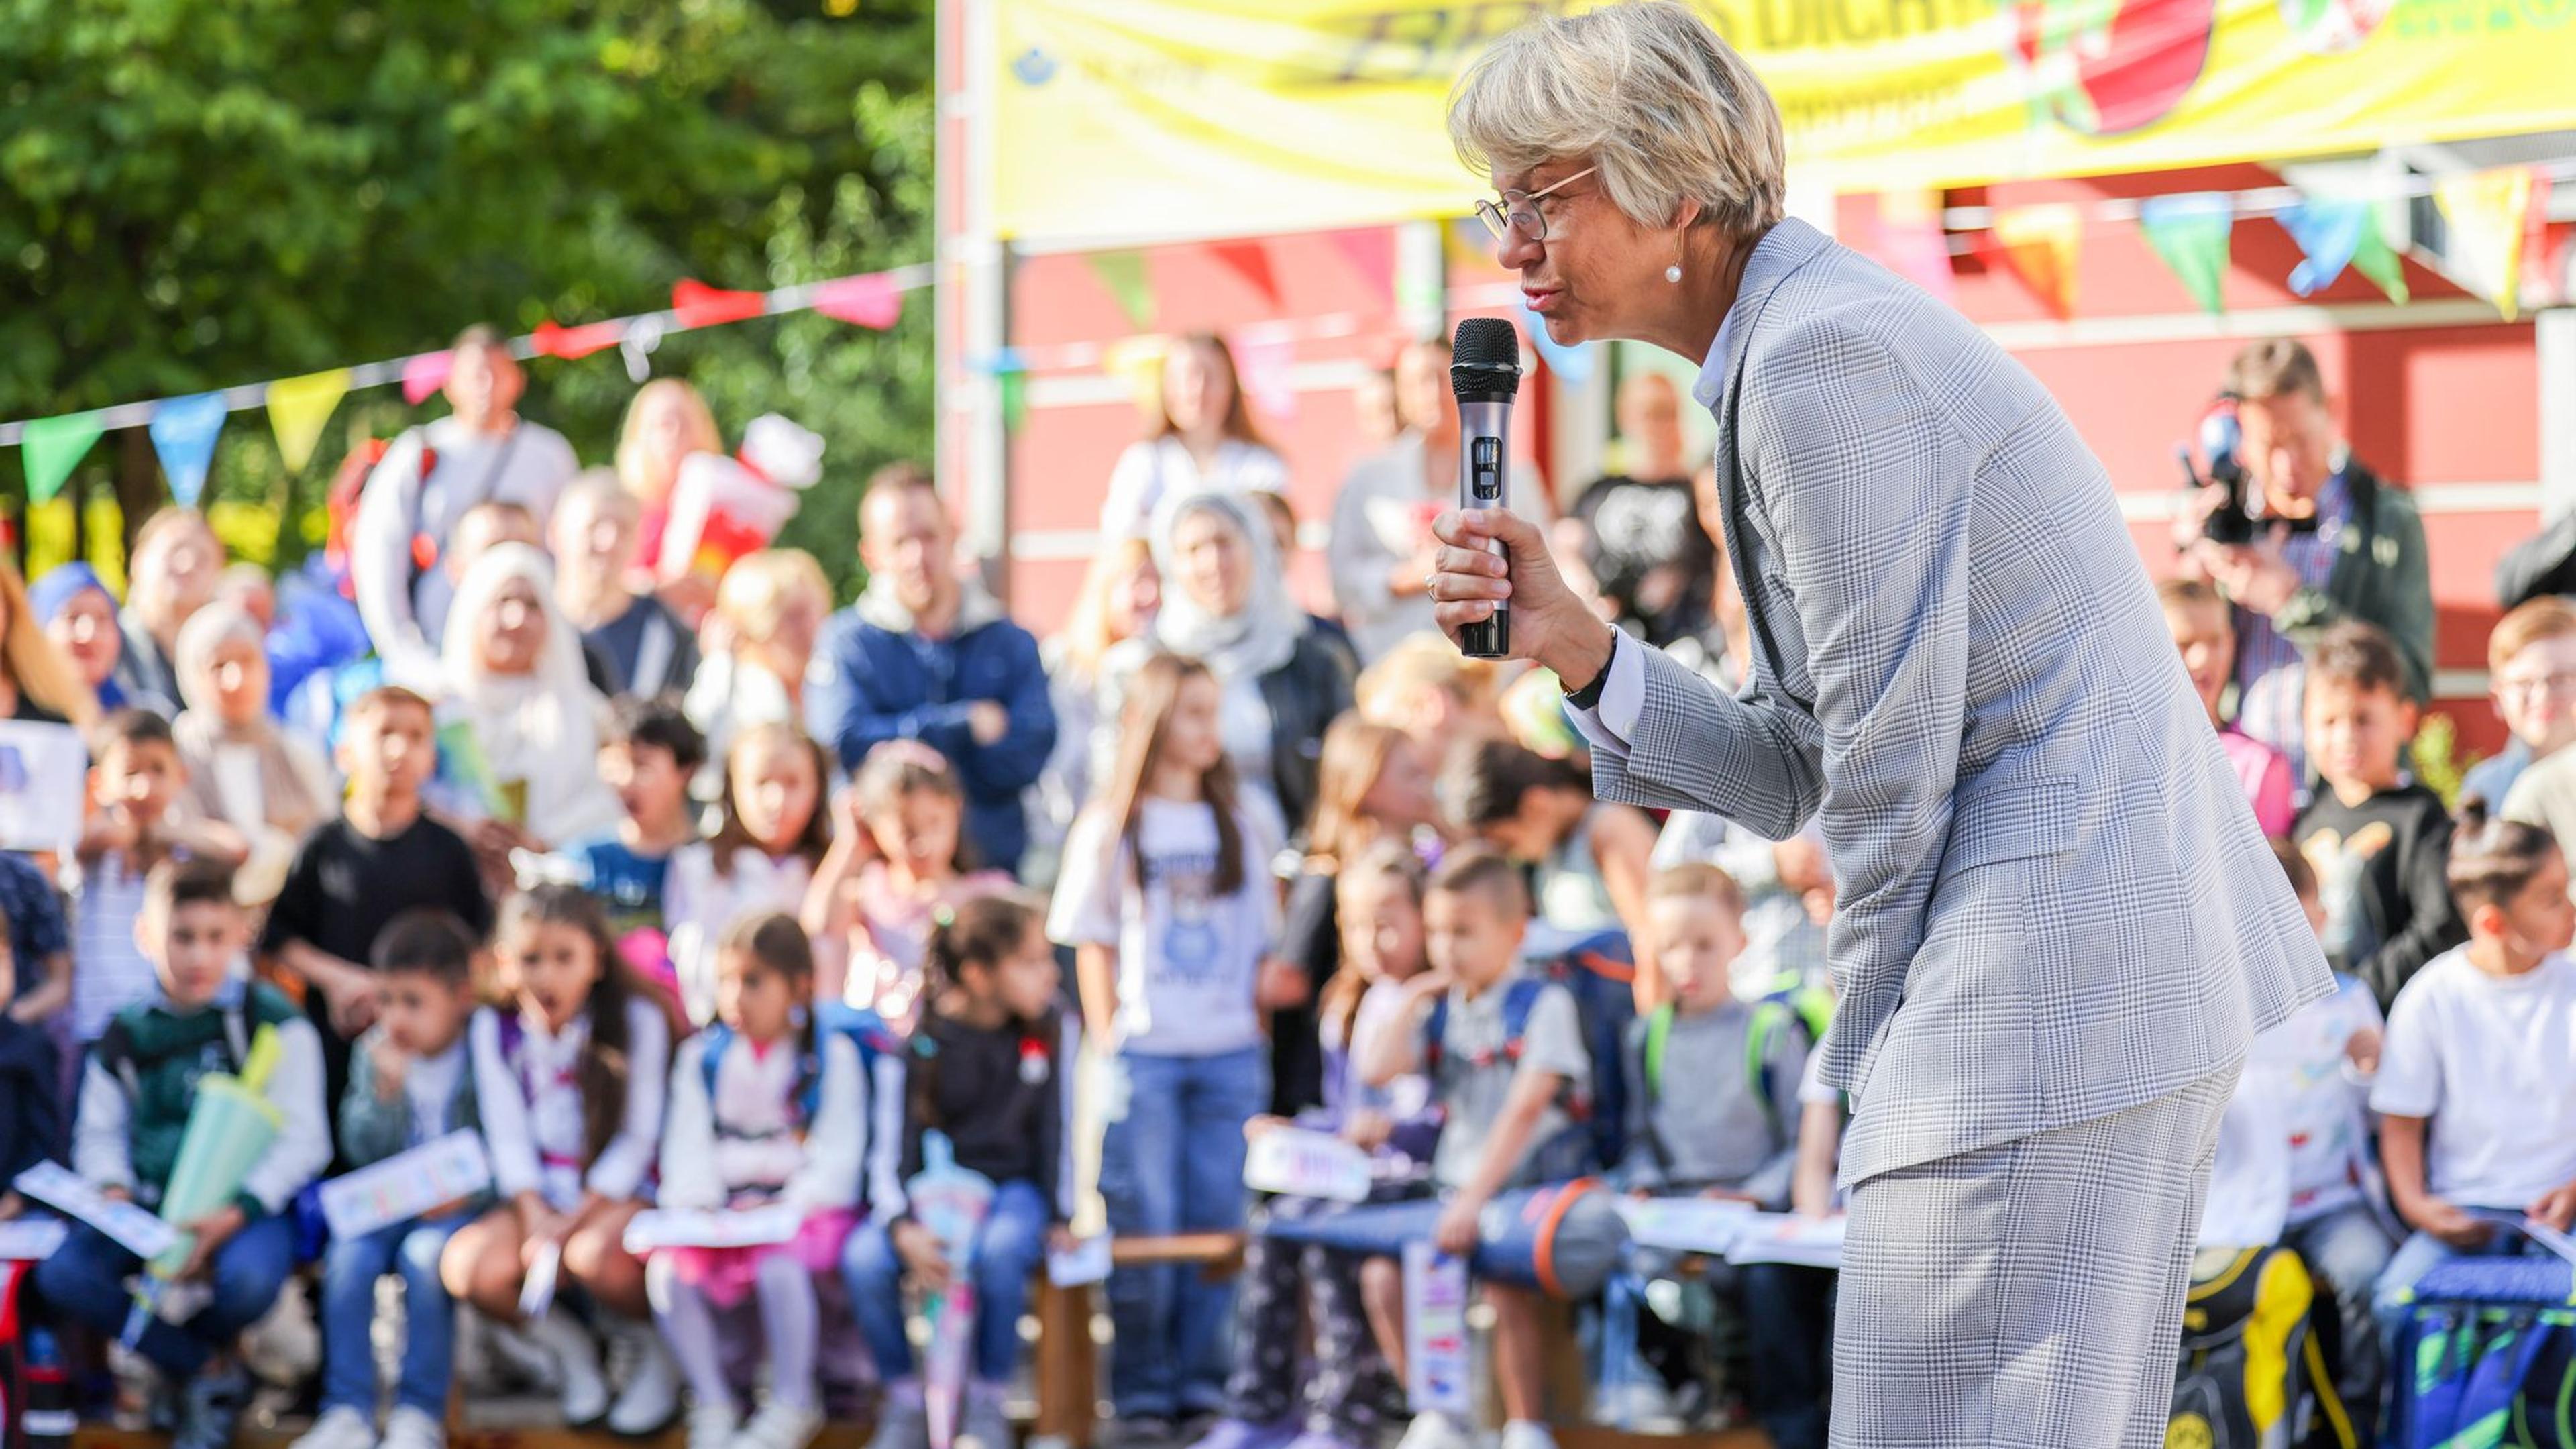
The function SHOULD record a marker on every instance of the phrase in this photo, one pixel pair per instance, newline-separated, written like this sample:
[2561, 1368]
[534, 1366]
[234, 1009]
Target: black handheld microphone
[1485, 373]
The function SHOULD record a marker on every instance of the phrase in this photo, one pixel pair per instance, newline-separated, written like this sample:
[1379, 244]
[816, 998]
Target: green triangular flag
[1123, 273]
[54, 447]
[2375, 259]
[2190, 232]
[1015, 399]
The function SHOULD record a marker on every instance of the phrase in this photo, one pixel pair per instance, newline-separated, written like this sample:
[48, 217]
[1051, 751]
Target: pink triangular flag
[872, 300]
[1263, 361]
[1371, 251]
[425, 373]
[1912, 241]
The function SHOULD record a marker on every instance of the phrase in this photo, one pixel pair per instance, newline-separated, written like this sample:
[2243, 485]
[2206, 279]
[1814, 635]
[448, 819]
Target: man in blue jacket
[926, 655]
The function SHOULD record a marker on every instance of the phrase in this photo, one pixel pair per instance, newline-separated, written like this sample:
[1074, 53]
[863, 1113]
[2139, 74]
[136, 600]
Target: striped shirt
[2271, 677]
[109, 971]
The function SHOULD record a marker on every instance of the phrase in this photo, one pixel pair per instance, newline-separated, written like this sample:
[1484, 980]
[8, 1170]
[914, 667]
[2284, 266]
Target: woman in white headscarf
[1226, 604]
[516, 683]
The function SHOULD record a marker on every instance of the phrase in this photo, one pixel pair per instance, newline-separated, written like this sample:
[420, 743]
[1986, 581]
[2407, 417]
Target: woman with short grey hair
[2057, 925]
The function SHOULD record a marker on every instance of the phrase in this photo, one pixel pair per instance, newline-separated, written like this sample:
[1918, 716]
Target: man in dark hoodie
[927, 655]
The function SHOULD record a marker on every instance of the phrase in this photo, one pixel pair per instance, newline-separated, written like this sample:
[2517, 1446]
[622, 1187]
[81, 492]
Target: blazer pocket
[2013, 820]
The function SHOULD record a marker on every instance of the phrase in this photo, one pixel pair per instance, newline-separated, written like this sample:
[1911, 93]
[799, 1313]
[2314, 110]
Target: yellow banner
[1136, 119]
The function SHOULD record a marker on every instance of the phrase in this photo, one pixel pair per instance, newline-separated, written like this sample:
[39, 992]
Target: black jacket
[2380, 872]
[31, 1105]
[1305, 695]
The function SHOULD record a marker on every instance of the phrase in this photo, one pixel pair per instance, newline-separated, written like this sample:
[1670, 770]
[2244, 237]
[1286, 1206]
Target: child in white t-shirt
[2304, 1099]
[2478, 1106]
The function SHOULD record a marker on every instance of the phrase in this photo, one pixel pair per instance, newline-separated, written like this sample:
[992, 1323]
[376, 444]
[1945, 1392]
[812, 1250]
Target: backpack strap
[711, 1056]
[1520, 1002]
[1435, 1030]
[237, 1033]
[1768, 1017]
[1659, 1038]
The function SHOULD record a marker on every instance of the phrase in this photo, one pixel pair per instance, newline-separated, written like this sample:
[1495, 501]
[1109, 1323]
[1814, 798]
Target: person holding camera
[2333, 542]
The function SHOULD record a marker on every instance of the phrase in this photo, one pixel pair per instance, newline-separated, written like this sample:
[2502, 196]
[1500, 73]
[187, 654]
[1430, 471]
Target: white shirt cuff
[1611, 723]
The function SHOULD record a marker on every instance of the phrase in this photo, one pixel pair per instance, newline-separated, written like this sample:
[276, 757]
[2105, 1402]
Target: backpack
[1572, 1152]
[864, 1030]
[1770, 1015]
[2486, 1355]
[1600, 973]
[2252, 1373]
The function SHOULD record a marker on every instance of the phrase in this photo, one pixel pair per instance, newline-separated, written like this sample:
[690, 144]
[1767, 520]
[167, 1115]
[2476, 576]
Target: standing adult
[665, 423]
[1641, 539]
[1226, 604]
[647, 651]
[1381, 549]
[2058, 926]
[2344, 545]
[37, 683]
[176, 564]
[79, 615]
[1204, 439]
[481, 452]
[927, 655]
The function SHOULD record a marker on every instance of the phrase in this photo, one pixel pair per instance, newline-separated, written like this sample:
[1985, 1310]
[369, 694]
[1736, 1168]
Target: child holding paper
[409, 1084]
[984, 1071]
[1506, 1102]
[1726, 1128]
[765, 1108]
[137, 1092]
[570, 1074]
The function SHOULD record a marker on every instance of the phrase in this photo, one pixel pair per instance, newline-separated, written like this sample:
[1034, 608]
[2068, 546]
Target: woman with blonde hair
[667, 421]
[1204, 441]
[37, 681]
[758, 643]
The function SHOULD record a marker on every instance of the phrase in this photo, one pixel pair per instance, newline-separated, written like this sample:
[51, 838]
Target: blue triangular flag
[2337, 233]
[1574, 364]
[183, 433]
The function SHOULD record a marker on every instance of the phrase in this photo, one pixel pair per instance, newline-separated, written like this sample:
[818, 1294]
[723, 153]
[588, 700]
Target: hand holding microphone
[1496, 589]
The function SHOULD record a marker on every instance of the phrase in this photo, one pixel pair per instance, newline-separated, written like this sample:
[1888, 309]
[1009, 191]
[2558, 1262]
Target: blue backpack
[1593, 1138]
[864, 1029]
[2486, 1356]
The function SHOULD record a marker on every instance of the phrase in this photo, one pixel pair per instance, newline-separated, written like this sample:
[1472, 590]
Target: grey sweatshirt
[1712, 1124]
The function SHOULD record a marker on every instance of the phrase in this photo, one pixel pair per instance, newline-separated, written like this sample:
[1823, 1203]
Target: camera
[2221, 439]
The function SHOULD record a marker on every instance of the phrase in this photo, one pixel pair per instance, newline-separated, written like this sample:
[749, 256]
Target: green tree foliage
[201, 193]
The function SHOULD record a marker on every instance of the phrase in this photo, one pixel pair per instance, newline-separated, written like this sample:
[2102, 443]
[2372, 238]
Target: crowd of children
[757, 977]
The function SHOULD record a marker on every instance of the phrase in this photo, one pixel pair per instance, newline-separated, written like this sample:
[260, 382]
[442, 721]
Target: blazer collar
[1787, 246]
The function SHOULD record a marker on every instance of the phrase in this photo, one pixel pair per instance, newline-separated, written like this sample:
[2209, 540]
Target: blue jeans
[2346, 1252]
[1008, 1251]
[349, 1273]
[1173, 1163]
[84, 1282]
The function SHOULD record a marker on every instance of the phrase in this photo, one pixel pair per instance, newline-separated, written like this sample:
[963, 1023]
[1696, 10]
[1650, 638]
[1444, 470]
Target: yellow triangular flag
[2040, 244]
[297, 409]
[2486, 211]
[1138, 362]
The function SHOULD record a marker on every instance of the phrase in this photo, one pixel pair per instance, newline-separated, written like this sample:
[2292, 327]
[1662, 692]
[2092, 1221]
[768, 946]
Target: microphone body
[1484, 373]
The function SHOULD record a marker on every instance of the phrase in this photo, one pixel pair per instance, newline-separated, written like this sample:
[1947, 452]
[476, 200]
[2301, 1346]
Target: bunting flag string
[56, 445]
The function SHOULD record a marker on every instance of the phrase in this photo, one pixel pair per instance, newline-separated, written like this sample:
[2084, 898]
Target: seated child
[2308, 1080]
[2531, 666]
[1504, 1103]
[136, 1092]
[1733, 1134]
[2477, 1108]
[1283, 1288]
[765, 1108]
[570, 1074]
[899, 857]
[409, 1084]
[648, 754]
[984, 1072]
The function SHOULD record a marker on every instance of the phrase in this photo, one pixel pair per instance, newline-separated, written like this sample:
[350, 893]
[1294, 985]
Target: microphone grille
[1485, 357]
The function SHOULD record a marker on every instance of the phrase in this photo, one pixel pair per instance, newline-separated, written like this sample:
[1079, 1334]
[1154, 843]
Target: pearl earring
[1673, 274]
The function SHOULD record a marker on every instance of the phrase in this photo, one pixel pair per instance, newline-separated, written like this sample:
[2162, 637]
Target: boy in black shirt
[2378, 842]
[382, 857]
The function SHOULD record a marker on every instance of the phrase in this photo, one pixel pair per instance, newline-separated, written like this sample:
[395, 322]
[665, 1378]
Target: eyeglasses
[1518, 211]
[2548, 686]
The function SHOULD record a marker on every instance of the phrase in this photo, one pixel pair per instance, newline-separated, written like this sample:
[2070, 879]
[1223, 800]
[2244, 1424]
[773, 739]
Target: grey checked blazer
[2054, 901]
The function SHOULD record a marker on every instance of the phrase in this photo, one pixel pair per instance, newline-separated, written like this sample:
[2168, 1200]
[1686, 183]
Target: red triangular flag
[872, 300]
[1371, 251]
[2040, 244]
[1249, 260]
[698, 305]
[581, 341]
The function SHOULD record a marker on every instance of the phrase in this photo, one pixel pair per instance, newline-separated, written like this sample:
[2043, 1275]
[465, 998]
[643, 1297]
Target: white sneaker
[651, 1398]
[1526, 1434]
[410, 1428]
[576, 1354]
[340, 1428]
[779, 1426]
[1639, 1405]
[712, 1426]
[1437, 1431]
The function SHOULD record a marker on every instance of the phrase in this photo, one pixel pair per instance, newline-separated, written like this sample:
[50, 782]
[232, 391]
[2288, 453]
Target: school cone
[230, 1128]
[951, 1201]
